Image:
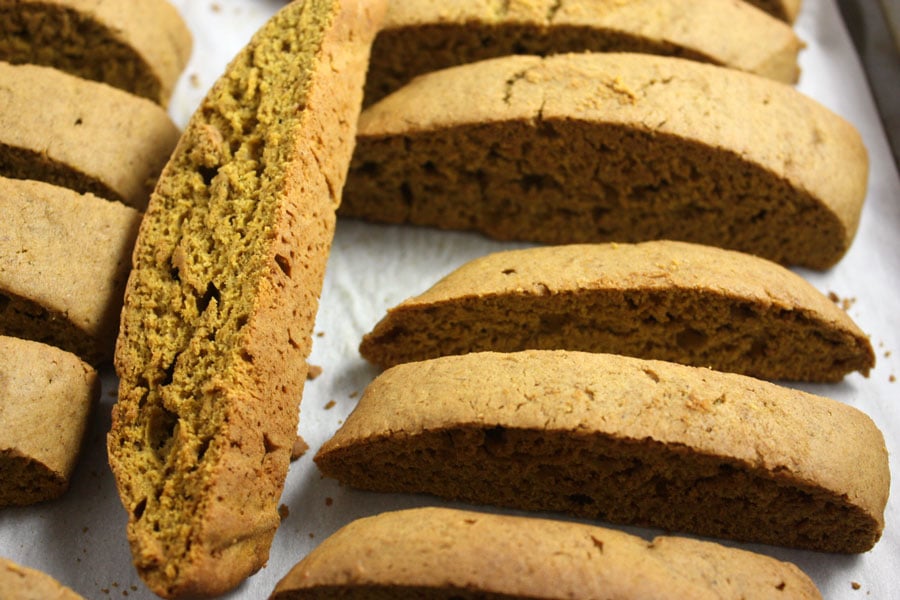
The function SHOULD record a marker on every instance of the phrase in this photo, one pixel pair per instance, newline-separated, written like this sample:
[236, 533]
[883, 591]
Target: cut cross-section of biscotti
[81, 134]
[447, 553]
[613, 147]
[64, 261]
[22, 583]
[140, 46]
[420, 36]
[675, 301]
[46, 398]
[786, 10]
[624, 440]
[222, 298]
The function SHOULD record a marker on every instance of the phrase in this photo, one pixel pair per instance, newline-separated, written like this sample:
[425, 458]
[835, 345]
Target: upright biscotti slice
[22, 583]
[46, 397]
[223, 295]
[81, 134]
[64, 261]
[613, 147]
[420, 36]
[140, 46]
[675, 301]
[624, 440]
[444, 553]
[786, 10]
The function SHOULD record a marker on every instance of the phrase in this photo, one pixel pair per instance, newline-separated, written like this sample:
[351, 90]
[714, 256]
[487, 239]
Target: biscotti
[64, 261]
[22, 583]
[786, 10]
[623, 440]
[81, 134]
[675, 301]
[420, 36]
[613, 147]
[46, 397]
[444, 553]
[140, 46]
[221, 301]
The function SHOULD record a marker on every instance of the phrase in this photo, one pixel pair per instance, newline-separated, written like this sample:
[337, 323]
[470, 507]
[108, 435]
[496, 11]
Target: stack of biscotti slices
[223, 294]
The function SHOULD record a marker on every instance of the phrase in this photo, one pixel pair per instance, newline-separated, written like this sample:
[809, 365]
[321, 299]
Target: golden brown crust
[624, 440]
[786, 10]
[22, 583]
[613, 147]
[666, 300]
[223, 296]
[463, 554]
[140, 46]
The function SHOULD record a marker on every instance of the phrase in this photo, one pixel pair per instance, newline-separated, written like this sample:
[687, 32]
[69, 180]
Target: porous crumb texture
[786, 10]
[420, 36]
[64, 261]
[613, 147]
[621, 440]
[223, 295]
[46, 397]
[448, 553]
[140, 46]
[22, 583]
[674, 301]
[80, 134]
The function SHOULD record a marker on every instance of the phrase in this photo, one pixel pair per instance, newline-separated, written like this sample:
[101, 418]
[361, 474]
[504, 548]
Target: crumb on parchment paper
[313, 371]
[299, 448]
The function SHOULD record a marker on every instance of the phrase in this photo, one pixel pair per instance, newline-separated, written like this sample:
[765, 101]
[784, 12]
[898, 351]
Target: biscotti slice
[623, 440]
[675, 301]
[613, 147]
[81, 134]
[22, 583]
[420, 36]
[140, 46]
[223, 295]
[447, 553]
[46, 397]
[786, 10]
[64, 261]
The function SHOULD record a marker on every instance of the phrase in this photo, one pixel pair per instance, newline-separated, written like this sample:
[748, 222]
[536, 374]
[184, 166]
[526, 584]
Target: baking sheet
[80, 539]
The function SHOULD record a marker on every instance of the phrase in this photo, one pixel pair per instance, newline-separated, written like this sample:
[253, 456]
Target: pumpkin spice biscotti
[64, 261]
[623, 440]
[786, 10]
[674, 301]
[420, 36]
[81, 134]
[223, 295]
[46, 398]
[446, 553]
[22, 583]
[140, 46]
[613, 147]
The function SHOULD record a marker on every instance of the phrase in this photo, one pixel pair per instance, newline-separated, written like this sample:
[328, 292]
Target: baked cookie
[613, 147]
[686, 303]
[46, 399]
[81, 134]
[623, 440]
[64, 261]
[223, 295]
[22, 583]
[420, 36]
[786, 10]
[140, 46]
[442, 553]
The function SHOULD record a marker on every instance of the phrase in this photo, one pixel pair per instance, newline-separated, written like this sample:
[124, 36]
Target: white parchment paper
[80, 539]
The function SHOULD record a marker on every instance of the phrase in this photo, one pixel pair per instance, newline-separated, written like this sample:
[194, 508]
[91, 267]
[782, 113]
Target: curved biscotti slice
[140, 46]
[46, 397]
[420, 36]
[786, 10]
[624, 440]
[686, 303]
[613, 147]
[22, 583]
[223, 295]
[443, 553]
[81, 134]
[64, 261]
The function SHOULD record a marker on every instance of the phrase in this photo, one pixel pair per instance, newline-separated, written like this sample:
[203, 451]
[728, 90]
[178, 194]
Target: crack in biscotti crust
[60, 37]
[222, 299]
[638, 482]
[568, 181]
